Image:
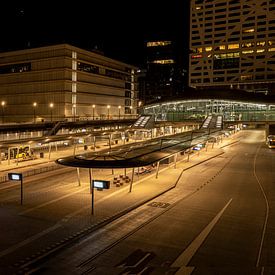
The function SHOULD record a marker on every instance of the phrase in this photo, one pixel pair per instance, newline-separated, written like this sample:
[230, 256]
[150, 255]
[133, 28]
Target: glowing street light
[34, 116]
[3, 103]
[93, 106]
[74, 111]
[108, 108]
[51, 108]
[119, 107]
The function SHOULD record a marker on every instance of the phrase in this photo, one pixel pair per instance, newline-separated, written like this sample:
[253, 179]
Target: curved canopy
[137, 154]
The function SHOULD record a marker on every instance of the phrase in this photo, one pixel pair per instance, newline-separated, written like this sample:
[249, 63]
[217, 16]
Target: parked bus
[270, 141]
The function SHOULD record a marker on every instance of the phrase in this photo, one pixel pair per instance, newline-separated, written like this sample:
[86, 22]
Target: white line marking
[185, 257]
[267, 209]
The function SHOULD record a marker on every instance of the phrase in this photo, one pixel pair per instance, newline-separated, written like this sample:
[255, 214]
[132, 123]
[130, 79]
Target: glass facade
[200, 109]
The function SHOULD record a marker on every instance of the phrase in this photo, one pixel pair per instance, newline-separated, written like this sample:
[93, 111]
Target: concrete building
[232, 44]
[65, 82]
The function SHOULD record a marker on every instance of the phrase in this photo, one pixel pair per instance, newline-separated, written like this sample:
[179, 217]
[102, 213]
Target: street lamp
[108, 108]
[119, 107]
[93, 111]
[74, 111]
[51, 108]
[131, 107]
[34, 106]
[3, 103]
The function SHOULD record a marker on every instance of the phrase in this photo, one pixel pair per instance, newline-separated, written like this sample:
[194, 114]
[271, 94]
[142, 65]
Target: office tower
[232, 44]
[161, 79]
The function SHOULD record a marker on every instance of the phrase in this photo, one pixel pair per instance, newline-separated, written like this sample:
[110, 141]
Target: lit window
[199, 50]
[249, 30]
[164, 61]
[260, 43]
[246, 77]
[198, 8]
[271, 50]
[247, 45]
[158, 43]
[247, 52]
[208, 49]
[221, 47]
[227, 55]
[196, 56]
[233, 46]
[260, 50]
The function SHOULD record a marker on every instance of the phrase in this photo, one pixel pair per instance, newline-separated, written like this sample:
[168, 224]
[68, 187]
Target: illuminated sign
[101, 184]
[15, 176]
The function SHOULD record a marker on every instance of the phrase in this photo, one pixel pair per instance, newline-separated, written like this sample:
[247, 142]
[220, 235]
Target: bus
[270, 141]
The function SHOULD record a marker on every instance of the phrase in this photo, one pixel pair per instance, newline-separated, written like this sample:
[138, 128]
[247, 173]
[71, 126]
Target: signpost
[99, 185]
[17, 177]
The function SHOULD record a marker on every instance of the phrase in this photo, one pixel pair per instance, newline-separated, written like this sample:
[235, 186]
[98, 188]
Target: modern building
[232, 44]
[65, 82]
[197, 105]
[162, 76]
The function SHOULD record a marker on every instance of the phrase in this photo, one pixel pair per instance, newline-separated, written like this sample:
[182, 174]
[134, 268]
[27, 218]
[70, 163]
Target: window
[115, 74]
[15, 68]
[233, 46]
[127, 102]
[226, 61]
[246, 77]
[127, 85]
[88, 68]
[218, 79]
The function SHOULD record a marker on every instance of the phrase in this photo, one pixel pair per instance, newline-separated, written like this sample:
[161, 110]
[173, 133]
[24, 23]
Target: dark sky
[118, 28]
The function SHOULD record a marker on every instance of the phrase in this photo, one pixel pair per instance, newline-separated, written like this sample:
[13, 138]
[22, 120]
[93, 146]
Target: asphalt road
[219, 219]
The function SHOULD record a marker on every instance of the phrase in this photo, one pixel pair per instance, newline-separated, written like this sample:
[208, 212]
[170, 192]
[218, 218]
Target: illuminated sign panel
[101, 184]
[15, 176]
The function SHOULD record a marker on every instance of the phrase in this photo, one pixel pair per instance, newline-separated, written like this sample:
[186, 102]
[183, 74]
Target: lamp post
[93, 111]
[3, 103]
[34, 116]
[51, 108]
[119, 107]
[108, 108]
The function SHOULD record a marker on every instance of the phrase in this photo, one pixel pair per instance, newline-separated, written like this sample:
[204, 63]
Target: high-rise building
[232, 44]
[162, 76]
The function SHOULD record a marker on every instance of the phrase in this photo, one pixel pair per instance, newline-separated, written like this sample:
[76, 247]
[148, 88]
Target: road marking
[267, 208]
[185, 257]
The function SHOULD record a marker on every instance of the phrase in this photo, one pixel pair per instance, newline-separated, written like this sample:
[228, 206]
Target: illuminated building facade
[232, 44]
[65, 82]
[162, 71]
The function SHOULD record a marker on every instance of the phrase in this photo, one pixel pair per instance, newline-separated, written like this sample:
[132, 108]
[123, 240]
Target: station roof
[220, 94]
[137, 154]
[55, 138]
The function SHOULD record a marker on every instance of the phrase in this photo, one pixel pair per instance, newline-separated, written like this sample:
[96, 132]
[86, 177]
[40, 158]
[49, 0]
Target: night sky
[117, 28]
